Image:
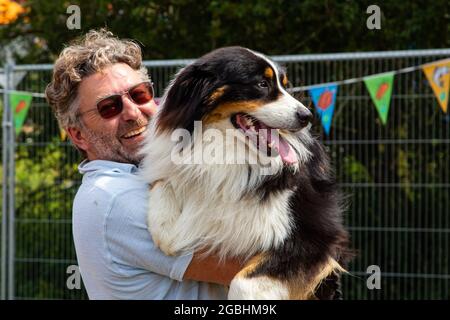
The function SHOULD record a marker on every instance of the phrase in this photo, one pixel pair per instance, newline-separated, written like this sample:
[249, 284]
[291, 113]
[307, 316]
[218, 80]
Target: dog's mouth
[263, 135]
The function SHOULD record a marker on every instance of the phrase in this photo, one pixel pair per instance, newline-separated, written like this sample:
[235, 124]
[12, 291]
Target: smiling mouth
[134, 133]
[263, 135]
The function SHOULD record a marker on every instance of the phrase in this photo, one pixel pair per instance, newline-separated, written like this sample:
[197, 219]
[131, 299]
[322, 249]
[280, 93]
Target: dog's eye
[263, 84]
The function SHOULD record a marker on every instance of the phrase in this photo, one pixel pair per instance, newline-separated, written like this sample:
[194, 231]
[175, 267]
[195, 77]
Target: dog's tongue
[267, 135]
[286, 153]
[284, 149]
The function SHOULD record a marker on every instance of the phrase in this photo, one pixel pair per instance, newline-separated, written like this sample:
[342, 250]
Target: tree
[187, 28]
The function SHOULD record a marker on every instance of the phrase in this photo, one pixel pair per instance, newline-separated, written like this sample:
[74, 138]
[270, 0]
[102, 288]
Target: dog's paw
[163, 242]
[167, 248]
[156, 240]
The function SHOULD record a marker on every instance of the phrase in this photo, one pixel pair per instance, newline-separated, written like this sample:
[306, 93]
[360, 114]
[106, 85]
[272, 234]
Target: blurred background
[392, 161]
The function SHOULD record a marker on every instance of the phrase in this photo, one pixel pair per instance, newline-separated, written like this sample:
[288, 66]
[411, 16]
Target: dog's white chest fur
[197, 217]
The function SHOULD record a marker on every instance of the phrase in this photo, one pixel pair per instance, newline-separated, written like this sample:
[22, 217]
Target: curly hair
[85, 56]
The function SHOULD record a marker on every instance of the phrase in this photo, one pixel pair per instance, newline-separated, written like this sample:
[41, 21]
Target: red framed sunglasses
[112, 105]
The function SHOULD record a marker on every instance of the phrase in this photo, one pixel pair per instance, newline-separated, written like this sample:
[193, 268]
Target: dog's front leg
[245, 286]
[250, 285]
[162, 215]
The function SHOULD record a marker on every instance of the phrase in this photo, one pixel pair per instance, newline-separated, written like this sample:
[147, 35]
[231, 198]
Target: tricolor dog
[273, 199]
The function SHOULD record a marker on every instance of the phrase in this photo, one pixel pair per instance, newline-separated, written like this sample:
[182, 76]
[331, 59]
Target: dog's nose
[304, 117]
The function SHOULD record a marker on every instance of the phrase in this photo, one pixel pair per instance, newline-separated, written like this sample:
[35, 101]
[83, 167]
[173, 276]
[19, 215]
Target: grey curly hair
[85, 56]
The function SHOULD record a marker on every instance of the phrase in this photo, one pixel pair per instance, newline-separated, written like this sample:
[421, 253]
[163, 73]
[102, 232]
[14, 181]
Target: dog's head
[236, 88]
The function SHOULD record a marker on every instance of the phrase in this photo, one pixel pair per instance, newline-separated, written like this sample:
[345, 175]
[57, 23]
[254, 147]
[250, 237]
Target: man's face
[117, 138]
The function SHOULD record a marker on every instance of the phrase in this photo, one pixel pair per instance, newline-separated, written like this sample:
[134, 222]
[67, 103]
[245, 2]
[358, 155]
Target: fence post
[8, 211]
[5, 199]
[11, 205]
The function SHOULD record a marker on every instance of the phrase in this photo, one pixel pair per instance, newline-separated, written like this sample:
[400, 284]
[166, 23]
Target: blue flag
[324, 99]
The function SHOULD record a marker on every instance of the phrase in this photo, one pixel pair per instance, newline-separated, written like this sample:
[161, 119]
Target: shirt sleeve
[129, 242]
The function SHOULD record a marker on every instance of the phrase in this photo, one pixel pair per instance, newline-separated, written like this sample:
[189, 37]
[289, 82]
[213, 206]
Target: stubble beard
[107, 146]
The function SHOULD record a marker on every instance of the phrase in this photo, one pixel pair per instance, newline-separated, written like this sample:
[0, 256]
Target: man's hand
[210, 269]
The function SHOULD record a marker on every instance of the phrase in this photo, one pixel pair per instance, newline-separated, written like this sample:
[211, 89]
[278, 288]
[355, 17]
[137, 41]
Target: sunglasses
[112, 105]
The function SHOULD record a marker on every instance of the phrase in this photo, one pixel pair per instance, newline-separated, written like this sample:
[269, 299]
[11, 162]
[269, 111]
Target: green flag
[380, 89]
[20, 103]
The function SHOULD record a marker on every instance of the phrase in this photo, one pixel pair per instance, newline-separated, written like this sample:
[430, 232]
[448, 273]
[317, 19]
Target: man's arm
[211, 269]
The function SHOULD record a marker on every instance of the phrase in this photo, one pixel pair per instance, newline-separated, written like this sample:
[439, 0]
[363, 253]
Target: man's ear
[78, 138]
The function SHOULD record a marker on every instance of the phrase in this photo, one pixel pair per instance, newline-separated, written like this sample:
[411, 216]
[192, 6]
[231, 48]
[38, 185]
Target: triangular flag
[324, 99]
[380, 89]
[20, 103]
[438, 75]
[17, 76]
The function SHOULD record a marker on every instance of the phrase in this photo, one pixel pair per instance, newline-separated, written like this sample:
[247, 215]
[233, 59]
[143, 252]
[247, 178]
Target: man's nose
[130, 109]
[304, 116]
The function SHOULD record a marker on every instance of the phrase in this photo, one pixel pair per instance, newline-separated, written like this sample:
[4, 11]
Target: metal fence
[396, 176]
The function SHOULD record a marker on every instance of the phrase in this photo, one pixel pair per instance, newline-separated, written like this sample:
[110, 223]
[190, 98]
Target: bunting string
[380, 87]
[323, 95]
[352, 80]
[294, 89]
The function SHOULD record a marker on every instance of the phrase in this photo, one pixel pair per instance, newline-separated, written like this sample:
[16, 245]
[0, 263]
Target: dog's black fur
[317, 207]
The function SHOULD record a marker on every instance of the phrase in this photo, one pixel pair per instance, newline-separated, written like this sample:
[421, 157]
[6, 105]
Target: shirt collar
[94, 165]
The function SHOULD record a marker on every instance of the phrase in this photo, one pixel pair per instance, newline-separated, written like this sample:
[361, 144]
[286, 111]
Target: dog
[277, 205]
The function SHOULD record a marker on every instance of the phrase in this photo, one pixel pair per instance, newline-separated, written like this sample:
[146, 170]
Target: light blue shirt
[115, 252]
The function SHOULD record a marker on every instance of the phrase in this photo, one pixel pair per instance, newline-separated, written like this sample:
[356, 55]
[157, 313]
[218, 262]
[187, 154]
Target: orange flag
[438, 75]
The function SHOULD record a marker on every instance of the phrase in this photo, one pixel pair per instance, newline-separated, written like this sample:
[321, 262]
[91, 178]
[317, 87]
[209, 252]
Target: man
[102, 97]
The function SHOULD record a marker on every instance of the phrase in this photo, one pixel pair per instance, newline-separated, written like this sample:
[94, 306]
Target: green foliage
[355, 171]
[404, 171]
[188, 29]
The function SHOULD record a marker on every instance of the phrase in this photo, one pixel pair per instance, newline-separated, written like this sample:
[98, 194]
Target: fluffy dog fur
[289, 221]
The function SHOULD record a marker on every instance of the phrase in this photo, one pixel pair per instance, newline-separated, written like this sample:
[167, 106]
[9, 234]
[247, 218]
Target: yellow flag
[438, 75]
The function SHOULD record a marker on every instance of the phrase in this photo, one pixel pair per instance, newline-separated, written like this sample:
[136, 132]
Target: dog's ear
[185, 99]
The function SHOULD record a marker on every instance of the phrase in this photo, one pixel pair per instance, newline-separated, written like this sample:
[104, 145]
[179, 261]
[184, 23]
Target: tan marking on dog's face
[303, 289]
[268, 73]
[225, 110]
[217, 93]
[285, 80]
